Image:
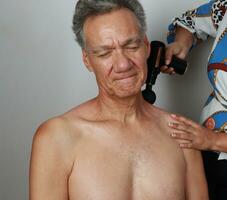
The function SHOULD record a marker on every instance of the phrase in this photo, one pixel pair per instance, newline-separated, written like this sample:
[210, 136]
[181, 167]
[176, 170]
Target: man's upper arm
[49, 165]
[196, 186]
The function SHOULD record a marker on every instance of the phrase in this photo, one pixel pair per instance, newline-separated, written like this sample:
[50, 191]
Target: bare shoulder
[163, 119]
[52, 131]
[53, 142]
[62, 132]
[83, 112]
[160, 114]
[54, 149]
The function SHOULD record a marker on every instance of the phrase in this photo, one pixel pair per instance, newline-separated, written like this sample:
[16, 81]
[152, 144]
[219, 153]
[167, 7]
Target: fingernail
[170, 124]
[173, 115]
[173, 135]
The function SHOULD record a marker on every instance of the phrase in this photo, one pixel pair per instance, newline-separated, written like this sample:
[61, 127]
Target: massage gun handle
[178, 65]
[158, 57]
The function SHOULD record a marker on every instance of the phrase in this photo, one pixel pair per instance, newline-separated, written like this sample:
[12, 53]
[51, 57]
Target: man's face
[116, 52]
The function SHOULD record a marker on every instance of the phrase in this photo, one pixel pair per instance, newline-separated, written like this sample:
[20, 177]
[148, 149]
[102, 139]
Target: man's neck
[125, 110]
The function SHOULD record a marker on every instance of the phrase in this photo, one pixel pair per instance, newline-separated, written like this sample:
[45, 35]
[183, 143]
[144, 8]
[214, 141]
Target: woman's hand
[177, 49]
[190, 134]
[180, 48]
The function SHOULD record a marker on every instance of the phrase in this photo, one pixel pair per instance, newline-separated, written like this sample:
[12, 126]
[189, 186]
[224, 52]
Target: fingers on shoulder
[183, 119]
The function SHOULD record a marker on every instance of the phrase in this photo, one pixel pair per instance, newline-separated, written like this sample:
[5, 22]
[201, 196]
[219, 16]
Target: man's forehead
[112, 43]
[119, 25]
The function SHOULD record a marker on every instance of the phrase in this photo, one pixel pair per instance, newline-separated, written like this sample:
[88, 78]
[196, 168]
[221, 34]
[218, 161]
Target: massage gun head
[149, 95]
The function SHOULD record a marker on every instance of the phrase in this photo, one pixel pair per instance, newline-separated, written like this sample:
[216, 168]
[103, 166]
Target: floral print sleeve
[203, 21]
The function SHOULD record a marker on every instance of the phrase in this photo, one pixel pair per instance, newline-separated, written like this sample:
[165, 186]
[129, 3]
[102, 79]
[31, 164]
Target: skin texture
[115, 146]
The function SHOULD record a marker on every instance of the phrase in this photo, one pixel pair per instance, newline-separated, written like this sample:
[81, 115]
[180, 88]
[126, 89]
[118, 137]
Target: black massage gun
[154, 62]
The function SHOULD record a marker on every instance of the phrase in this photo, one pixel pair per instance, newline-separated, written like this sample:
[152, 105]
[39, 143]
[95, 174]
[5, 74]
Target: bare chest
[128, 168]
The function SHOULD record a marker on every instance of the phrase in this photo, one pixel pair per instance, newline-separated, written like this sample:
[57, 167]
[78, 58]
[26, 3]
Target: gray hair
[87, 8]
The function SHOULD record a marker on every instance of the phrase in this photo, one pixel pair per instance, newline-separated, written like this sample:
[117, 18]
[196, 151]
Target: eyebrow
[136, 40]
[110, 47]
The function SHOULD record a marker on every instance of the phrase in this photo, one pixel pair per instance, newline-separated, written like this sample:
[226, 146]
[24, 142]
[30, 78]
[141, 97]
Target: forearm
[184, 37]
[199, 21]
[219, 142]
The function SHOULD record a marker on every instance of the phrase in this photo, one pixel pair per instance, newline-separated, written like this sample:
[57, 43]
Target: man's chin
[125, 90]
[126, 93]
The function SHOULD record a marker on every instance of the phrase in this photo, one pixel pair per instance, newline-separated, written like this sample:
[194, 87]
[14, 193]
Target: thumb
[168, 56]
[173, 50]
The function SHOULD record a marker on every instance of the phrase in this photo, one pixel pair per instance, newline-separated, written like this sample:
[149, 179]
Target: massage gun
[154, 62]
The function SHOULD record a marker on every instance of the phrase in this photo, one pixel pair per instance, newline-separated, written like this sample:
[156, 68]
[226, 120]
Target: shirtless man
[115, 146]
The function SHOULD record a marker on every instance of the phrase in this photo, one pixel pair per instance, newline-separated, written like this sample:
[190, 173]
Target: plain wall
[42, 75]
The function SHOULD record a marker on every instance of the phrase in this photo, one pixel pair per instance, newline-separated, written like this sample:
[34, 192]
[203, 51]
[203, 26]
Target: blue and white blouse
[210, 20]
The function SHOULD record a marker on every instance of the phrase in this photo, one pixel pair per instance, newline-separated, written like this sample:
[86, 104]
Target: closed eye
[104, 54]
[132, 47]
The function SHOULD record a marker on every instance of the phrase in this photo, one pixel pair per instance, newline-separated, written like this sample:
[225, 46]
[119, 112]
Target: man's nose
[122, 61]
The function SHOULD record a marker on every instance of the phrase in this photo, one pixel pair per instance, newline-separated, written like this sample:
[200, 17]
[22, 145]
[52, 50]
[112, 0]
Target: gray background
[42, 75]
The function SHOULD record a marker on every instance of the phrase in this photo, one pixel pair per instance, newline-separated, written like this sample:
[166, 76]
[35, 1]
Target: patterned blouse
[210, 20]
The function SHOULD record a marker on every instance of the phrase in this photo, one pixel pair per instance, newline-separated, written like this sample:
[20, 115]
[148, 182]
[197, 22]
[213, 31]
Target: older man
[115, 146]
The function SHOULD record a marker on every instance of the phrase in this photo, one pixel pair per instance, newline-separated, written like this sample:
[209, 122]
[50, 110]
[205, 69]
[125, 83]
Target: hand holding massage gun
[155, 61]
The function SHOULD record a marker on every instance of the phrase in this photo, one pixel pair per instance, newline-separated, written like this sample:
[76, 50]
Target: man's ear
[147, 43]
[86, 60]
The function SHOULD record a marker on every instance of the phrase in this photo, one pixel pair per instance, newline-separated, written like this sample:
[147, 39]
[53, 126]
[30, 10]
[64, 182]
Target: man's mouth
[125, 77]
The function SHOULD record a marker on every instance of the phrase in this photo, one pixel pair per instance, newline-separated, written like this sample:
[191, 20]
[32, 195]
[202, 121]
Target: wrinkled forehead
[116, 26]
